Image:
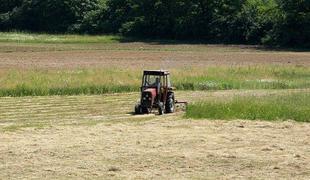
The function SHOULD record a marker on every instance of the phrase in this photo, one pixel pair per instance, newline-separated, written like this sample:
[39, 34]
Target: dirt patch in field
[147, 56]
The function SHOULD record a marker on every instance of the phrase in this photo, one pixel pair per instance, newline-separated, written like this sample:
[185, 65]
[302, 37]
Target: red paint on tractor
[152, 91]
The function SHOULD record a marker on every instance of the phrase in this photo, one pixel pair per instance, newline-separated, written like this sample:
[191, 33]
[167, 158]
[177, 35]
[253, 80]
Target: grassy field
[21, 37]
[67, 101]
[102, 81]
[64, 137]
[294, 106]
[17, 113]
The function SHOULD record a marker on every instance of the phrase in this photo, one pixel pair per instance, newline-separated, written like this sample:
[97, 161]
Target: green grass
[101, 81]
[48, 38]
[86, 90]
[249, 77]
[294, 106]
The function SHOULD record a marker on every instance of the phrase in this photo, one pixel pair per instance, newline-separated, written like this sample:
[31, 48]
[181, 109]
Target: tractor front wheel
[170, 104]
[138, 109]
[146, 110]
[161, 108]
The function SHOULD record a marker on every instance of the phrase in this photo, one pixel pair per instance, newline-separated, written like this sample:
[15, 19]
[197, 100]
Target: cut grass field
[67, 137]
[295, 106]
[17, 113]
[102, 81]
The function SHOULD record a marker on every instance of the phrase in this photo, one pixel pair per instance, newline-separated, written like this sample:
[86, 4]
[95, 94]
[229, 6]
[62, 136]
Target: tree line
[272, 22]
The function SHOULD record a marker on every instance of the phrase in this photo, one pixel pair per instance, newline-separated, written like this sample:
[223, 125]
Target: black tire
[146, 110]
[170, 104]
[138, 109]
[161, 109]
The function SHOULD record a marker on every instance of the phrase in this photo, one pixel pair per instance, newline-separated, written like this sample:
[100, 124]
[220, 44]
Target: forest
[268, 22]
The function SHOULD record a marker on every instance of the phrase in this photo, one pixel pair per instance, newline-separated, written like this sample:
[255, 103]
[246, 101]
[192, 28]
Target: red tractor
[156, 92]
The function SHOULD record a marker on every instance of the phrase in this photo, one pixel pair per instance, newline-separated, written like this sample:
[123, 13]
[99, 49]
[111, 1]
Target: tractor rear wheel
[161, 108]
[170, 104]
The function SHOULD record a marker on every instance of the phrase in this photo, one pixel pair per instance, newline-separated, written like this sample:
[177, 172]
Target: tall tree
[294, 26]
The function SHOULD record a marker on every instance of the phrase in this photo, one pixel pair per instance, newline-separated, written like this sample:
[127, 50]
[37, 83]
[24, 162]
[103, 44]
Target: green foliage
[293, 27]
[258, 18]
[294, 106]
[8, 5]
[273, 22]
[50, 15]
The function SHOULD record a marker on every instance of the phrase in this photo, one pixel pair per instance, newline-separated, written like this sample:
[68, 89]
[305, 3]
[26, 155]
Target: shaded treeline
[272, 22]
